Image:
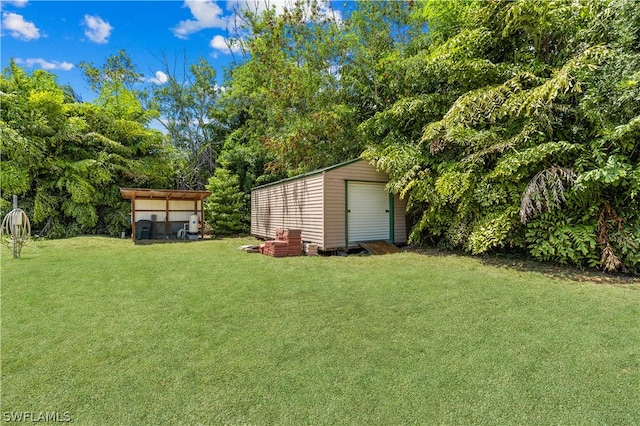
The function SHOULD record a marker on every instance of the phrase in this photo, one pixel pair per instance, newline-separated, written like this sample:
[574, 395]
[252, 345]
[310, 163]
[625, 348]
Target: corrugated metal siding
[183, 204]
[150, 205]
[180, 216]
[335, 204]
[292, 204]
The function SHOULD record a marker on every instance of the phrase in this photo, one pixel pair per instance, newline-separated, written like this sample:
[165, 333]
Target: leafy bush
[556, 237]
[226, 207]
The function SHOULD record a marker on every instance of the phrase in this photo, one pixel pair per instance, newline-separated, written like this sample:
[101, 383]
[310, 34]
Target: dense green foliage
[517, 126]
[66, 159]
[507, 125]
[284, 94]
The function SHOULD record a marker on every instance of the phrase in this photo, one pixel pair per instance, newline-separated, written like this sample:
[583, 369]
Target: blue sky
[57, 35]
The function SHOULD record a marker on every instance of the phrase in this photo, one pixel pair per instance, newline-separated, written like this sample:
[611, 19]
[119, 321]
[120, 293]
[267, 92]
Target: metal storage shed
[335, 207]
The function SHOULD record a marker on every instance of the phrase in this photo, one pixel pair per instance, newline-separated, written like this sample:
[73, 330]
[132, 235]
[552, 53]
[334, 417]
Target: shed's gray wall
[400, 220]
[291, 204]
[316, 204]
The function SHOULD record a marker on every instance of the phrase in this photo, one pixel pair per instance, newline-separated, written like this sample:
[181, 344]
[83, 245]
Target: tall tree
[187, 103]
[287, 89]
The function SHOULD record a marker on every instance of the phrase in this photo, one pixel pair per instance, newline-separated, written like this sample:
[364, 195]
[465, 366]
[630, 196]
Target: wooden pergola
[174, 204]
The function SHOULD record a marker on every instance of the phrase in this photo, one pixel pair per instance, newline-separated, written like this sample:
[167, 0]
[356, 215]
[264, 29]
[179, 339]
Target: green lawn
[202, 333]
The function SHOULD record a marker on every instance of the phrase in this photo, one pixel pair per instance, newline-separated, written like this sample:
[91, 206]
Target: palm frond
[545, 191]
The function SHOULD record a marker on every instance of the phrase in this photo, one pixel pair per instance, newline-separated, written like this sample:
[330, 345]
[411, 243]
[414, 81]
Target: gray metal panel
[290, 204]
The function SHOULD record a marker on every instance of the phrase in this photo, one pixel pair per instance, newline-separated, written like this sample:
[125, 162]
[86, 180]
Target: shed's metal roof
[172, 194]
[314, 172]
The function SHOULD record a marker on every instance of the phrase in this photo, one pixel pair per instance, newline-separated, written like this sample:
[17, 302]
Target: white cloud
[160, 78]
[331, 13]
[219, 43]
[44, 64]
[98, 30]
[17, 3]
[223, 45]
[18, 27]
[207, 14]
[334, 70]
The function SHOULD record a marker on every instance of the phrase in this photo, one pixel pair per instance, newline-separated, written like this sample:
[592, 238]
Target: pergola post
[202, 217]
[167, 229]
[133, 217]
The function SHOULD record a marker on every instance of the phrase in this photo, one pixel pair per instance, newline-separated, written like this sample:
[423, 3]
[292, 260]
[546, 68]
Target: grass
[202, 333]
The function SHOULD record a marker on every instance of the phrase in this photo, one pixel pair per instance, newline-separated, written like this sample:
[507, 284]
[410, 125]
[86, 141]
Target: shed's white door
[368, 212]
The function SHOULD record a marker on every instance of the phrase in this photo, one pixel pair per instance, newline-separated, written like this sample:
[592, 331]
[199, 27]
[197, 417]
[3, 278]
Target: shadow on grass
[520, 263]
